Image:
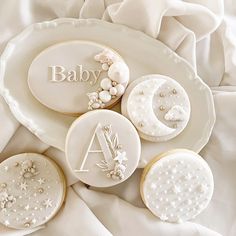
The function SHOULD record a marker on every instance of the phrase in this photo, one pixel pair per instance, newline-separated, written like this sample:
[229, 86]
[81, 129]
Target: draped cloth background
[201, 31]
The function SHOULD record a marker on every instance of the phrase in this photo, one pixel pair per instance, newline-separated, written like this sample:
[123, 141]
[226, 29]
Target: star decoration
[6, 168]
[47, 203]
[120, 157]
[41, 181]
[27, 207]
[23, 186]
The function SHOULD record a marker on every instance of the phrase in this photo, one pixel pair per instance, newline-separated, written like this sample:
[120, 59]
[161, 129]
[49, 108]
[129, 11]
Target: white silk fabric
[203, 32]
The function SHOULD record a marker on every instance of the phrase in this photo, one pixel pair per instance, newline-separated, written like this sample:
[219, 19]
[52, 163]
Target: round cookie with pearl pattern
[32, 190]
[177, 185]
[158, 106]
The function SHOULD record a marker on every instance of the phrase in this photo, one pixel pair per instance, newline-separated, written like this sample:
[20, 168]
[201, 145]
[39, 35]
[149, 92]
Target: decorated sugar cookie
[102, 148]
[77, 76]
[158, 107]
[177, 185]
[32, 190]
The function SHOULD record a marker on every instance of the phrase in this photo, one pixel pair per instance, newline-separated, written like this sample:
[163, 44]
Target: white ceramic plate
[143, 55]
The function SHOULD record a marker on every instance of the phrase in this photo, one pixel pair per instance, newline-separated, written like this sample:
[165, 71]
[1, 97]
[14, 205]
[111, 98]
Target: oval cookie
[158, 107]
[76, 76]
[32, 190]
[177, 185]
[102, 148]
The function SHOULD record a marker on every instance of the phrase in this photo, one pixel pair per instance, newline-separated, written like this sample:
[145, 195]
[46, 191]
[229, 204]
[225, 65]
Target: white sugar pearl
[153, 186]
[119, 72]
[95, 105]
[105, 66]
[105, 96]
[97, 57]
[106, 84]
[120, 89]
[113, 91]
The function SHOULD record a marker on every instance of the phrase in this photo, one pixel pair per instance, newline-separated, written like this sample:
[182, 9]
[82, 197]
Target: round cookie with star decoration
[102, 148]
[177, 185]
[158, 106]
[32, 190]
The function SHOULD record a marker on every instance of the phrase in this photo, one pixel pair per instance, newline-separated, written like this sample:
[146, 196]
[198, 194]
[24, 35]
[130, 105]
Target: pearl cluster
[28, 191]
[114, 85]
[178, 187]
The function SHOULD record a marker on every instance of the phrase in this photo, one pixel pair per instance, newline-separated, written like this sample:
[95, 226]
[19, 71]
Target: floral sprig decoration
[117, 169]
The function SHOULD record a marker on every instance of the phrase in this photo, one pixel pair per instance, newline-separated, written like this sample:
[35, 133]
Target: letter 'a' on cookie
[102, 148]
[78, 76]
[32, 190]
[177, 185]
[158, 106]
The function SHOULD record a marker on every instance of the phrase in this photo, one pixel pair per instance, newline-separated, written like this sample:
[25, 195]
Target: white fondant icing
[80, 71]
[114, 160]
[103, 148]
[140, 108]
[113, 91]
[182, 195]
[158, 107]
[31, 192]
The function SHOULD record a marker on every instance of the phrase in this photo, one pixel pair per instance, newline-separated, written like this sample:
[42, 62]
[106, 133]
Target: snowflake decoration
[47, 203]
[23, 186]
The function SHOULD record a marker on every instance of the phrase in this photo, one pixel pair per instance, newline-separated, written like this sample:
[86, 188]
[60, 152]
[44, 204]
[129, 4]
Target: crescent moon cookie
[76, 76]
[102, 148]
[177, 185]
[158, 107]
[32, 190]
